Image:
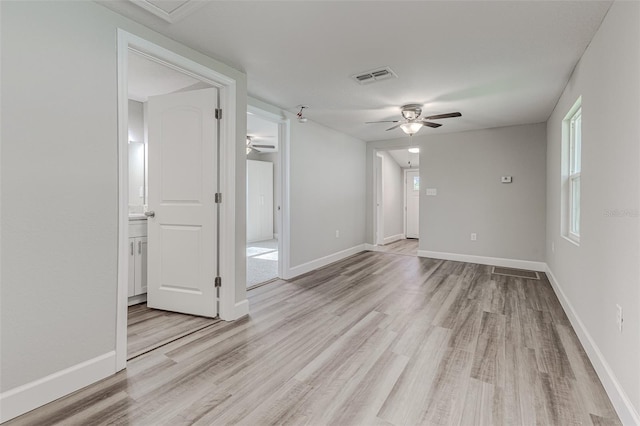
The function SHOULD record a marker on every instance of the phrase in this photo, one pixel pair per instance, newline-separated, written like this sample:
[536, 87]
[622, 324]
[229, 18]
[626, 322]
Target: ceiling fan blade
[449, 115]
[430, 124]
[387, 121]
[394, 127]
[254, 145]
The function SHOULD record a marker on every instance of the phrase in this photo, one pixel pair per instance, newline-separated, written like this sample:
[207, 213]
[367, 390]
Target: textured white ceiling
[499, 63]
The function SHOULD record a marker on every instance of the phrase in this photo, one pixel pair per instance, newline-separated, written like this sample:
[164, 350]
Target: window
[416, 183]
[574, 167]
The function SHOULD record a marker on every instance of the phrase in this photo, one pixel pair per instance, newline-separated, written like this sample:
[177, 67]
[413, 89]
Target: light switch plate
[432, 191]
[506, 179]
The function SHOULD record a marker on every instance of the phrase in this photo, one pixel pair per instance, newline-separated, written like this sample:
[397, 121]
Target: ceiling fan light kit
[412, 122]
[411, 127]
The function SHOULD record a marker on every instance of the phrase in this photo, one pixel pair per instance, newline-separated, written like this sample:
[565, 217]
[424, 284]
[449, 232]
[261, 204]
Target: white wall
[465, 168]
[327, 191]
[59, 183]
[393, 196]
[136, 121]
[136, 153]
[604, 270]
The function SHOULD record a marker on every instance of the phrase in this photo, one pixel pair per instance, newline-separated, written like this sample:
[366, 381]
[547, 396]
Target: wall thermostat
[506, 179]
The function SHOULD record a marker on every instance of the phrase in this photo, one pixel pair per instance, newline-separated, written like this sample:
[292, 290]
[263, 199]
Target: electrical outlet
[619, 318]
[474, 236]
[337, 234]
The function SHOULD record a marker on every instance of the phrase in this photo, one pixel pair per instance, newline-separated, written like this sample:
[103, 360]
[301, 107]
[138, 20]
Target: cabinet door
[141, 265]
[132, 267]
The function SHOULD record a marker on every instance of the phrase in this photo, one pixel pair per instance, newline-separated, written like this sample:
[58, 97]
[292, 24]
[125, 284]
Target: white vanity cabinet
[137, 251]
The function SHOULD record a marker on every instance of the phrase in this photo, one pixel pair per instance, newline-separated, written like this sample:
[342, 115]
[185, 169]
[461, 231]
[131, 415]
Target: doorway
[266, 190]
[173, 145]
[396, 180]
[187, 231]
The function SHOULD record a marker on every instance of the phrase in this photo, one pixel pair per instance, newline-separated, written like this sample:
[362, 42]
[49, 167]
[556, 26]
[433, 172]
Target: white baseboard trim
[323, 261]
[393, 238]
[484, 260]
[241, 309]
[371, 247]
[22, 399]
[621, 402]
[134, 300]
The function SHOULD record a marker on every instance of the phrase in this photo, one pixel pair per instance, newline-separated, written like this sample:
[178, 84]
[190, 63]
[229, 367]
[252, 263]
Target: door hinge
[218, 198]
[218, 114]
[218, 282]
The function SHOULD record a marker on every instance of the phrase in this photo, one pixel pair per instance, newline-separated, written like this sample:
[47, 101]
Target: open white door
[412, 190]
[182, 235]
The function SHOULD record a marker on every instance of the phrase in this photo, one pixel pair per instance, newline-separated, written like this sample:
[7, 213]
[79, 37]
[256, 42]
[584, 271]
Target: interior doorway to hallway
[266, 139]
[397, 194]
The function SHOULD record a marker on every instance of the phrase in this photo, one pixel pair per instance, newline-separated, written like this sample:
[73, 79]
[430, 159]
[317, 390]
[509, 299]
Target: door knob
[150, 214]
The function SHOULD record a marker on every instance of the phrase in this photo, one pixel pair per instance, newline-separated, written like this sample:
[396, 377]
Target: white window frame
[573, 166]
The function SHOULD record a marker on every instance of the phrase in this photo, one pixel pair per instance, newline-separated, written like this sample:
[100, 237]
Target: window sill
[572, 241]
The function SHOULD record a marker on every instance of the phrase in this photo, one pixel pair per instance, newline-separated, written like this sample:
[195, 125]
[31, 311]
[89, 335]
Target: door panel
[182, 176]
[181, 263]
[412, 188]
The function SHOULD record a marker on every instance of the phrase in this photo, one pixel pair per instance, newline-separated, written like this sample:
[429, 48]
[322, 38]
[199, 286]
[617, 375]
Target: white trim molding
[187, 8]
[393, 238]
[620, 400]
[22, 399]
[241, 310]
[323, 261]
[485, 260]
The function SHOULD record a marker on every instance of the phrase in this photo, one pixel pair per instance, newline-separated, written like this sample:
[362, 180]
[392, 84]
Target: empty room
[319, 212]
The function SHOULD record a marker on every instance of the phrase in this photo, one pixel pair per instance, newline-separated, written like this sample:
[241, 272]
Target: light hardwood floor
[407, 247]
[148, 328]
[376, 339]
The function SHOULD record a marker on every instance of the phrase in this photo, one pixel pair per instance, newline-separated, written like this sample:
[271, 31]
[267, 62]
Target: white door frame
[378, 219]
[282, 180]
[406, 183]
[227, 181]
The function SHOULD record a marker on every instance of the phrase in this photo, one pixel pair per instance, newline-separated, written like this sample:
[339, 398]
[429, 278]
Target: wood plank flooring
[408, 247]
[376, 339]
[148, 328]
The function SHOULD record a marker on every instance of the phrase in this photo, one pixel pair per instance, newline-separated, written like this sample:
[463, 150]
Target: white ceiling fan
[412, 122]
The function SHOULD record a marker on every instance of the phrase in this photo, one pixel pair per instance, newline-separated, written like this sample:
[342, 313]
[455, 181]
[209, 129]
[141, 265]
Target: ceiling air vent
[374, 75]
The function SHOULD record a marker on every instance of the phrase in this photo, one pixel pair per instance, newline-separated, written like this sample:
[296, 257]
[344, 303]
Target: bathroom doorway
[173, 141]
